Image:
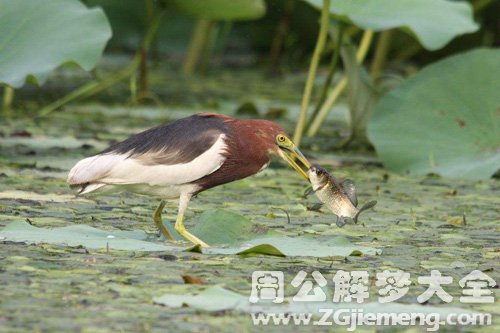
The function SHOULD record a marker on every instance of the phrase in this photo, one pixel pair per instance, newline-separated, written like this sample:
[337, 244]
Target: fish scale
[339, 197]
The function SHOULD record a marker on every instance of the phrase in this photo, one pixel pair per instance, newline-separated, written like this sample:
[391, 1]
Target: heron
[182, 158]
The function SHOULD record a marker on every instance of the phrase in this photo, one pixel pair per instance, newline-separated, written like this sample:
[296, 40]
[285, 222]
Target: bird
[182, 158]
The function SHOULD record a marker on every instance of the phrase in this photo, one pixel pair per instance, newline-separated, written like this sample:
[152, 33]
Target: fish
[339, 197]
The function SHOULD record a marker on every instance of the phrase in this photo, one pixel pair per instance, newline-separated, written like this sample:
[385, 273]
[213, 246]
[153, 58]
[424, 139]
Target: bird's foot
[186, 242]
[203, 245]
[190, 237]
[196, 241]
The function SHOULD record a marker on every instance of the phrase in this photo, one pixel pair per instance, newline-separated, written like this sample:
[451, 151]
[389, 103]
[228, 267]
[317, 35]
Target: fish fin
[368, 205]
[342, 221]
[308, 191]
[316, 207]
[350, 190]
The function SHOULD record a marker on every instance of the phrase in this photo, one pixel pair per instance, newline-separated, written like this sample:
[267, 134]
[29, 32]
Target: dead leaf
[191, 279]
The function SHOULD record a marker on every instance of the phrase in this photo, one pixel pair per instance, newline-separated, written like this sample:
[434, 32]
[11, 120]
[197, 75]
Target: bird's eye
[281, 138]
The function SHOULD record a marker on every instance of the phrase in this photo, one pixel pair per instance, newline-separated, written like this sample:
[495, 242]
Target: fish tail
[366, 206]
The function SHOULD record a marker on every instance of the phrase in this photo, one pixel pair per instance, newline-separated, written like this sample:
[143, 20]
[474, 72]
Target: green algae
[48, 288]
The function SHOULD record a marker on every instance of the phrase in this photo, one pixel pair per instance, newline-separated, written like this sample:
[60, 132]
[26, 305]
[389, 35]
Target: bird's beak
[290, 153]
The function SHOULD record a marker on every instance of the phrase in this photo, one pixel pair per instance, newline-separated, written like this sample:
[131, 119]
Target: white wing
[120, 169]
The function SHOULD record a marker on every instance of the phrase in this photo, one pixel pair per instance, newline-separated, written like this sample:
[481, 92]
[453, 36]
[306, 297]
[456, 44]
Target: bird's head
[290, 153]
[269, 136]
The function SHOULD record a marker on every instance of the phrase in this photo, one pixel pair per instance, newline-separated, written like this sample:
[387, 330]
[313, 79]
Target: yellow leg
[179, 223]
[159, 222]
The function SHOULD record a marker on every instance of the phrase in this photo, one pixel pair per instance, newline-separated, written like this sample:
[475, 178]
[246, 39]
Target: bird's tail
[87, 173]
[87, 187]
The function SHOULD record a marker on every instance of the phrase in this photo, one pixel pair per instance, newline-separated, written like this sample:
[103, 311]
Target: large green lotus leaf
[82, 235]
[217, 298]
[443, 120]
[38, 36]
[271, 244]
[280, 245]
[433, 22]
[222, 227]
[230, 10]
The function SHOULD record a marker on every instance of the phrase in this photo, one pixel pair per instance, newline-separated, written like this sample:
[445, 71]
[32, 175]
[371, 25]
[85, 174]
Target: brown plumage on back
[250, 159]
